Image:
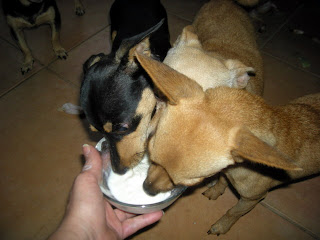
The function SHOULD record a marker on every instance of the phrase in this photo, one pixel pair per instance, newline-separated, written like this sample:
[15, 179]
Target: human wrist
[71, 231]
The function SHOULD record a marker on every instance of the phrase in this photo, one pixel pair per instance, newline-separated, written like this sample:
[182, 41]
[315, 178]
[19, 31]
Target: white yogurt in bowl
[126, 191]
[128, 188]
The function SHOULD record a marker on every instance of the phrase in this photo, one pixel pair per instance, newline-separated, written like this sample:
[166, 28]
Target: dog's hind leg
[217, 189]
[243, 206]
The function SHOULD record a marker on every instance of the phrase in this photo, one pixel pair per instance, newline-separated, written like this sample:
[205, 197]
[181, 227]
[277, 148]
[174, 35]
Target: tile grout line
[22, 81]
[282, 25]
[77, 45]
[18, 48]
[282, 215]
[94, 34]
[290, 64]
[43, 66]
[71, 49]
[10, 43]
[176, 15]
[63, 79]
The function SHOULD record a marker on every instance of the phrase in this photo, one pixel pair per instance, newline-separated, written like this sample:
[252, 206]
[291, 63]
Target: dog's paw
[213, 231]
[61, 53]
[27, 65]
[217, 229]
[80, 11]
[212, 193]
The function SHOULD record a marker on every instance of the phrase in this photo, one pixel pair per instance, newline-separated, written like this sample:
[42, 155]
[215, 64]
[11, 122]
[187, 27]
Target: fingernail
[86, 152]
[86, 149]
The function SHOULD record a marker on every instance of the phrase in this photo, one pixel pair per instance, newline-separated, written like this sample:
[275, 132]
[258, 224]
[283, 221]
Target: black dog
[21, 14]
[116, 93]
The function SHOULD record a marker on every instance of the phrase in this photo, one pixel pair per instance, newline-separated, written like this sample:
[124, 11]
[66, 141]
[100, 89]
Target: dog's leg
[58, 49]
[78, 8]
[16, 27]
[55, 24]
[216, 190]
[243, 206]
[28, 58]
[52, 17]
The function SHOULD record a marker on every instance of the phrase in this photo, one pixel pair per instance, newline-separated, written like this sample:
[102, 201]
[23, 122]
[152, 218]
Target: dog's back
[302, 124]
[225, 31]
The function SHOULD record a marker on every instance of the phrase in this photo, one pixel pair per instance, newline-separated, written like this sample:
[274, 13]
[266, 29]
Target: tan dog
[201, 133]
[219, 48]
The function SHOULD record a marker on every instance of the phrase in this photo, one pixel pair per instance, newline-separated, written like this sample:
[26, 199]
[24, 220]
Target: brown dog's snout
[158, 180]
[147, 187]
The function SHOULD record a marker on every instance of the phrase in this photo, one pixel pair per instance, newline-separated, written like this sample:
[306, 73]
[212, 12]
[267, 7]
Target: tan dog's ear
[248, 146]
[172, 84]
[91, 61]
[188, 37]
[142, 47]
[240, 73]
[113, 35]
[138, 42]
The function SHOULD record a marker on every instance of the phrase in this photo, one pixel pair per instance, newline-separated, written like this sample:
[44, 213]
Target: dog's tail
[247, 3]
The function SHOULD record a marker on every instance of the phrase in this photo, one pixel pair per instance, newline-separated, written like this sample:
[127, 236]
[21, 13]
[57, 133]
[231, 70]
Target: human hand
[89, 215]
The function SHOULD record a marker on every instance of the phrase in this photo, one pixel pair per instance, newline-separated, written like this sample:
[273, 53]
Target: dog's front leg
[243, 206]
[52, 17]
[58, 49]
[217, 189]
[16, 27]
[28, 58]
[78, 8]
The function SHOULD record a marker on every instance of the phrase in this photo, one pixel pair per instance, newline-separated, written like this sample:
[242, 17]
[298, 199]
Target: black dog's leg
[18, 34]
[78, 8]
[55, 24]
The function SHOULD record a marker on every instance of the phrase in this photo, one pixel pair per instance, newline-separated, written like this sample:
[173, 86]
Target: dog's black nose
[147, 187]
[108, 147]
[117, 168]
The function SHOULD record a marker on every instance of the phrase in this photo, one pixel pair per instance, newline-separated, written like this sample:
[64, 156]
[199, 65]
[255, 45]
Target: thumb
[93, 164]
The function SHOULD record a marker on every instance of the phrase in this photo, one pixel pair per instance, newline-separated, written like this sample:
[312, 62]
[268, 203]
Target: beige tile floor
[41, 147]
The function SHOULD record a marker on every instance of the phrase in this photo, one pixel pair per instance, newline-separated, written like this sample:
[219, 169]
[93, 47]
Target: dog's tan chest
[20, 23]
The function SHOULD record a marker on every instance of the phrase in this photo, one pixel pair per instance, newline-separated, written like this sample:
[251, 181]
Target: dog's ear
[138, 42]
[188, 37]
[248, 146]
[91, 61]
[240, 73]
[172, 84]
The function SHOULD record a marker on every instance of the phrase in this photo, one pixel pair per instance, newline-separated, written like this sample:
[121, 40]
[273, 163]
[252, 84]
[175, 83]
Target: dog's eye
[120, 128]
